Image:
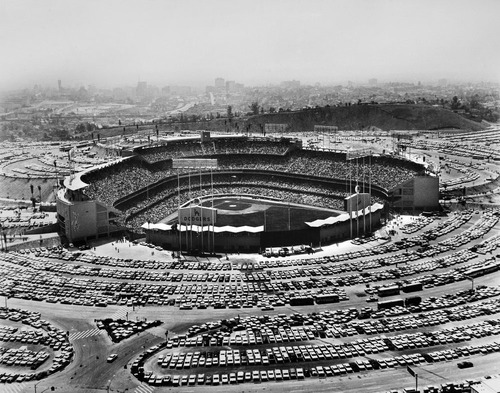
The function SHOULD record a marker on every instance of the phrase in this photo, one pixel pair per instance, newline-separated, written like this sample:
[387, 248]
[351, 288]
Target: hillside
[356, 117]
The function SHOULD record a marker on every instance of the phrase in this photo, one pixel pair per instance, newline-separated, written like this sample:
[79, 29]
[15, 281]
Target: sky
[111, 43]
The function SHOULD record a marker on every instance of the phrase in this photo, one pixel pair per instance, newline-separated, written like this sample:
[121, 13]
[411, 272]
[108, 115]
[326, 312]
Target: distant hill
[355, 117]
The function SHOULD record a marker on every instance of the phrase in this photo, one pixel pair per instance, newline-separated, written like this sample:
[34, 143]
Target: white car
[111, 358]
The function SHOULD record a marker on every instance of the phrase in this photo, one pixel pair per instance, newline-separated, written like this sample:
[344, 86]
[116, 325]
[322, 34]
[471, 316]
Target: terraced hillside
[384, 117]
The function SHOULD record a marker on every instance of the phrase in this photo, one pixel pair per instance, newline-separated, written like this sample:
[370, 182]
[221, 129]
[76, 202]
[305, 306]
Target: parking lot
[256, 320]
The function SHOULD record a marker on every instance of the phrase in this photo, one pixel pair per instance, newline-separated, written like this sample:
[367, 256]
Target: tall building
[165, 91]
[230, 86]
[372, 81]
[59, 84]
[220, 83]
[142, 89]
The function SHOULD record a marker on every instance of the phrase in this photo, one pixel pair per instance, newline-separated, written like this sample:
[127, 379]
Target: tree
[474, 102]
[454, 102]
[254, 107]
[80, 128]
[229, 111]
[272, 109]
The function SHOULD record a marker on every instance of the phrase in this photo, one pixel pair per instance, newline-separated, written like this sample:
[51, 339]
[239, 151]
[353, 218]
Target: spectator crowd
[156, 177]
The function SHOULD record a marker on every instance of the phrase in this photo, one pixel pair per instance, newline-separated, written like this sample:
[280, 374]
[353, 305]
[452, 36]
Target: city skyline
[112, 43]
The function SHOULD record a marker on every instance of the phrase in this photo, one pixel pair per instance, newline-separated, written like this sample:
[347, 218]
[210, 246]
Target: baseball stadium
[254, 193]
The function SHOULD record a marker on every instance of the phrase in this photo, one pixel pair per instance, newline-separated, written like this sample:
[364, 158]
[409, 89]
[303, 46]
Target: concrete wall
[417, 194]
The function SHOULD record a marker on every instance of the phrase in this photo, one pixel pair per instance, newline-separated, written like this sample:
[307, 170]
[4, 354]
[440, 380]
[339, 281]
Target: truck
[384, 305]
[388, 291]
[327, 298]
[412, 287]
[302, 301]
[413, 301]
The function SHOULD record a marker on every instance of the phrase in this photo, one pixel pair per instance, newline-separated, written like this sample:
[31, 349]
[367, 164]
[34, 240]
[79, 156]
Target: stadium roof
[205, 228]
[74, 183]
[77, 183]
[344, 217]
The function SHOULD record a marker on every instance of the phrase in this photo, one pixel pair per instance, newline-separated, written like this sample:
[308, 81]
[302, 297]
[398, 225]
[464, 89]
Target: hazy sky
[169, 42]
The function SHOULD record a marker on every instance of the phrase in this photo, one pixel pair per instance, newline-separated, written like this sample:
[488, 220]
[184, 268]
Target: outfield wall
[245, 242]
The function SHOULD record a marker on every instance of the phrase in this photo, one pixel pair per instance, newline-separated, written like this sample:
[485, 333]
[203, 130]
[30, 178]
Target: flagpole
[350, 196]
[357, 196]
[264, 220]
[201, 208]
[190, 211]
[364, 211]
[179, 212]
[370, 188]
[212, 213]
[288, 215]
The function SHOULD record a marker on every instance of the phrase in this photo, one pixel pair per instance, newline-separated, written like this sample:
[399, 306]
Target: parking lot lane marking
[84, 334]
[15, 388]
[144, 389]
[121, 313]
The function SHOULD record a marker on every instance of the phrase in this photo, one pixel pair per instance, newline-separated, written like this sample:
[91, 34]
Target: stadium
[257, 192]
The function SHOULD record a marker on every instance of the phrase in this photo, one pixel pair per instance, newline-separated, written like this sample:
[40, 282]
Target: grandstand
[146, 188]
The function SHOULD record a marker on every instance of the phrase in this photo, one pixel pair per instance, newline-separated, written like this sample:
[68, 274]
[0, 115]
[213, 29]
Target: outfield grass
[276, 215]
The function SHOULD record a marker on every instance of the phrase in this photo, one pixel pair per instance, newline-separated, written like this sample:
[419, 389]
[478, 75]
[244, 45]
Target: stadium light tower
[196, 164]
[355, 154]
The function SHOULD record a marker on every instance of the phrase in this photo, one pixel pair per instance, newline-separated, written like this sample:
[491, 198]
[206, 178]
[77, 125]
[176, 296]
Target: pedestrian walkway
[84, 334]
[144, 389]
[121, 313]
[15, 388]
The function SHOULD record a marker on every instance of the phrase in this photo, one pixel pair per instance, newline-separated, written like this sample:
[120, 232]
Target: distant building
[220, 83]
[119, 94]
[165, 91]
[372, 81]
[59, 84]
[443, 82]
[230, 86]
[142, 89]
